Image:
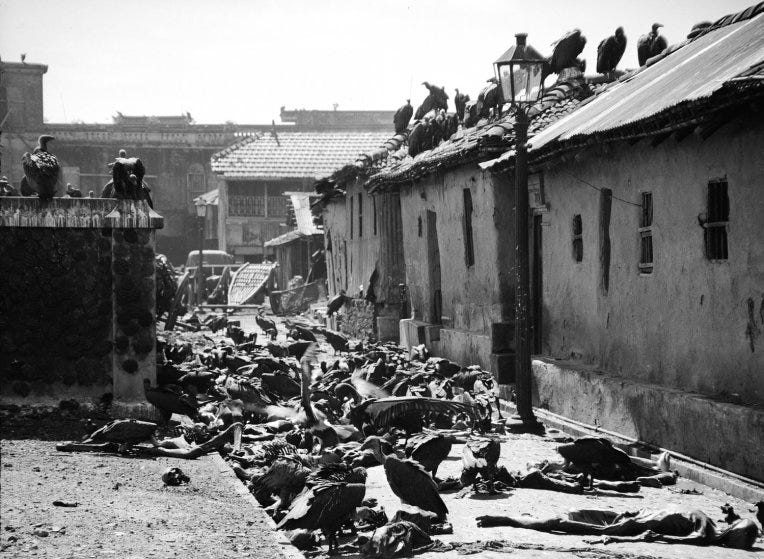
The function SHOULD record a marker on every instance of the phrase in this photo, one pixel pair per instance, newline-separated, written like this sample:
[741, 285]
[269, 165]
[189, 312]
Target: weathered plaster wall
[476, 297]
[687, 325]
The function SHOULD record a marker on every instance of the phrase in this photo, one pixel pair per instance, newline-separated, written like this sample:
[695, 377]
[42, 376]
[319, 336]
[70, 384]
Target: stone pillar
[133, 240]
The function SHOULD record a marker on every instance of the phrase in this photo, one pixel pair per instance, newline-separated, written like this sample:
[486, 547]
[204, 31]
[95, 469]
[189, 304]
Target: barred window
[277, 206]
[715, 227]
[246, 199]
[469, 249]
[578, 240]
[196, 182]
[646, 234]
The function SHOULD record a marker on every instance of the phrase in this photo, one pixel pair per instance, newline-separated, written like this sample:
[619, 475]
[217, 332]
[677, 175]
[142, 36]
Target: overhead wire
[598, 189]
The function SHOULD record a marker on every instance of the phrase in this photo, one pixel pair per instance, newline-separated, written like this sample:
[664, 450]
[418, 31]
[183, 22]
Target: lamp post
[519, 72]
[201, 214]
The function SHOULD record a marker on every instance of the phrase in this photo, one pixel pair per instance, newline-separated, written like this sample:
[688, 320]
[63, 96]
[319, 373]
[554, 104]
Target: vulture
[301, 333]
[760, 512]
[41, 170]
[402, 117]
[698, 28]
[336, 303]
[410, 482]
[480, 456]
[336, 473]
[7, 189]
[437, 99]
[566, 50]
[460, 100]
[651, 44]
[326, 507]
[170, 399]
[286, 476]
[337, 341]
[488, 98]
[73, 192]
[429, 450]
[267, 325]
[126, 432]
[471, 115]
[588, 453]
[326, 434]
[610, 51]
[127, 180]
[383, 413]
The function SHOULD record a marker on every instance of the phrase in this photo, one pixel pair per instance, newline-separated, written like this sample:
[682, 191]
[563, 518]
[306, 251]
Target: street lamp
[519, 72]
[201, 213]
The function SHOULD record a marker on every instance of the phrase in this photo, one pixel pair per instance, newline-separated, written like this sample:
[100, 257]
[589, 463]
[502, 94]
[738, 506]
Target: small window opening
[715, 227]
[469, 249]
[374, 217]
[360, 215]
[578, 241]
[646, 234]
[419, 225]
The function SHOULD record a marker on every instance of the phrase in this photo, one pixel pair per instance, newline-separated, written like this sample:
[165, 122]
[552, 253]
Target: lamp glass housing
[201, 210]
[519, 72]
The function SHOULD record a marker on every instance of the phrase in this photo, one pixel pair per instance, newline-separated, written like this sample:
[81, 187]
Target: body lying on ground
[671, 525]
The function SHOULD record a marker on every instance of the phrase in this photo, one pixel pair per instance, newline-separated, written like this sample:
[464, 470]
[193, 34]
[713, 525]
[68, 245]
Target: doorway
[433, 269]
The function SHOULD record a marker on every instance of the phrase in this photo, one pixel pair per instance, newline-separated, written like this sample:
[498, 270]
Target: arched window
[196, 181]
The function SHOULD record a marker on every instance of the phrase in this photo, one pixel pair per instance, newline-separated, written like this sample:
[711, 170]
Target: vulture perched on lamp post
[610, 51]
[410, 482]
[437, 99]
[460, 101]
[326, 507]
[651, 44]
[402, 117]
[41, 170]
[566, 51]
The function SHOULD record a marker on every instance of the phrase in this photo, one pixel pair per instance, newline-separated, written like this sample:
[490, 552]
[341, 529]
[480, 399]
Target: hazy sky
[241, 60]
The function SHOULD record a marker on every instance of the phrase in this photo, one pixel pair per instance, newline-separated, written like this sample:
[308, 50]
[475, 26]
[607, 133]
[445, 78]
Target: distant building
[175, 150]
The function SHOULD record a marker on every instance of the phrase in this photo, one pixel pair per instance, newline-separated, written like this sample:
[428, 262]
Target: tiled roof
[719, 68]
[293, 154]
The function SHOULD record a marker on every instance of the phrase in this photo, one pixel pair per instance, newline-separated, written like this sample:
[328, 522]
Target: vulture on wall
[41, 170]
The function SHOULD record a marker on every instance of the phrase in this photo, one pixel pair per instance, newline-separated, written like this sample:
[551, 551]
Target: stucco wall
[687, 325]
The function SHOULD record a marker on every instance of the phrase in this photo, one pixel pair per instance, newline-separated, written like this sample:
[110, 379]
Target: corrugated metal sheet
[696, 70]
[302, 213]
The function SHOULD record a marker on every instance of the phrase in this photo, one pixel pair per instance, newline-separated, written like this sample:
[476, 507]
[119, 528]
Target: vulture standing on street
[410, 482]
[651, 44]
[566, 51]
[610, 51]
[429, 450]
[480, 456]
[402, 117]
[301, 333]
[286, 476]
[588, 453]
[324, 432]
[41, 170]
[337, 341]
[170, 399]
[267, 325]
[336, 302]
[437, 99]
[336, 473]
[326, 507]
[460, 100]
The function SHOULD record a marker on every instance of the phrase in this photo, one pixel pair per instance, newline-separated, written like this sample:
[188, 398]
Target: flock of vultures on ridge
[301, 433]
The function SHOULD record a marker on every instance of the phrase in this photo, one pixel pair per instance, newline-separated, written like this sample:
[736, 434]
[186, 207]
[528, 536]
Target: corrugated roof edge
[557, 147]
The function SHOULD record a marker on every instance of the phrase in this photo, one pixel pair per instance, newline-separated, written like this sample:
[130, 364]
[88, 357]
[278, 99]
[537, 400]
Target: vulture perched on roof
[326, 507]
[488, 98]
[651, 44]
[437, 99]
[402, 117]
[610, 51]
[566, 50]
[429, 450]
[460, 101]
[410, 482]
[41, 170]
[480, 456]
[587, 453]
